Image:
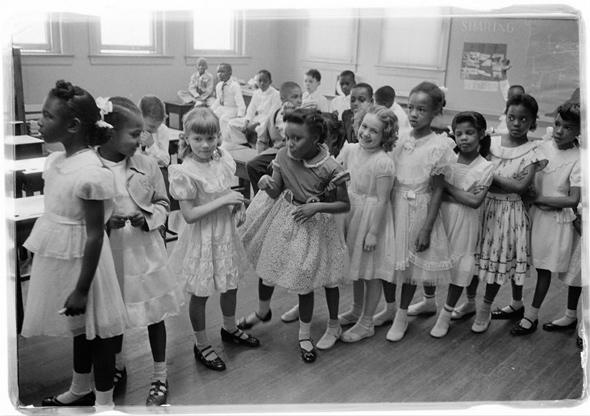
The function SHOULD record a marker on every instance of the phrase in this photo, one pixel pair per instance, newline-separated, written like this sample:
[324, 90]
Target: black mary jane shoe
[551, 327]
[244, 324]
[306, 355]
[236, 338]
[86, 400]
[513, 314]
[201, 355]
[119, 381]
[158, 394]
[517, 329]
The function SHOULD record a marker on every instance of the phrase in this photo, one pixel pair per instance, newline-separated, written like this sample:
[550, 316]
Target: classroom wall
[544, 55]
[134, 80]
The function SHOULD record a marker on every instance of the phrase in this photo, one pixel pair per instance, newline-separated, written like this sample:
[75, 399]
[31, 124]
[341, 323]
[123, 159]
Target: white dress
[365, 168]
[150, 292]
[58, 240]
[552, 233]
[463, 223]
[209, 256]
[416, 161]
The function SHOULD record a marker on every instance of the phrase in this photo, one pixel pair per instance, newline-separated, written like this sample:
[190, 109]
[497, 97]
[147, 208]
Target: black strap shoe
[86, 400]
[513, 314]
[239, 337]
[201, 355]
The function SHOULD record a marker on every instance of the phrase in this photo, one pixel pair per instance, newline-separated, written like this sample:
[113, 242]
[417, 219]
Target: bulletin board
[544, 57]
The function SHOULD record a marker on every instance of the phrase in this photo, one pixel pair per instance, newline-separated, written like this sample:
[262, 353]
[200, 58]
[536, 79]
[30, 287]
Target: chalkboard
[543, 52]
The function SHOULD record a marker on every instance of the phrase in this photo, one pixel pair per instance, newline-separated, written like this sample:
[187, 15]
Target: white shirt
[229, 94]
[315, 98]
[402, 118]
[261, 105]
[339, 104]
[159, 149]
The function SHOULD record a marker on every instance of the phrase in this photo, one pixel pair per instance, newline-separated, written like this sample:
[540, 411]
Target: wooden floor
[462, 367]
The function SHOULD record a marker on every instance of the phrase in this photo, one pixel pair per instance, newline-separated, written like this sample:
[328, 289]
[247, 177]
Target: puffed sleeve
[576, 174]
[487, 175]
[97, 183]
[384, 166]
[536, 156]
[279, 158]
[442, 155]
[182, 187]
[344, 154]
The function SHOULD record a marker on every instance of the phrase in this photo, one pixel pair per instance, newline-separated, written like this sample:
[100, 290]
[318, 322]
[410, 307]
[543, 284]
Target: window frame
[238, 43]
[129, 54]
[54, 44]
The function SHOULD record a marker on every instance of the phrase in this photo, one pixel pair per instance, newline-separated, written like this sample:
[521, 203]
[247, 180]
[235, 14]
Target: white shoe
[398, 328]
[357, 332]
[329, 338]
[291, 315]
[441, 328]
[481, 324]
[422, 308]
[384, 317]
[464, 311]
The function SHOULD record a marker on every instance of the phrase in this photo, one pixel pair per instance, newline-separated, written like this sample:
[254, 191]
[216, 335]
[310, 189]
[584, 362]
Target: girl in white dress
[421, 244]
[150, 293]
[74, 290]
[503, 252]
[209, 256]
[466, 185]
[368, 227]
[557, 193]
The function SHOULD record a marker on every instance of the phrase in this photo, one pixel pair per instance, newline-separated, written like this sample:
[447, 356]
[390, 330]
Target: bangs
[201, 121]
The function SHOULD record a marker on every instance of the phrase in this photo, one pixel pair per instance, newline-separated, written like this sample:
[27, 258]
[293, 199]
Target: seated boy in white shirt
[245, 130]
[155, 138]
[385, 96]
[312, 97]
[341, 103]
[229, 102]
[200, 86]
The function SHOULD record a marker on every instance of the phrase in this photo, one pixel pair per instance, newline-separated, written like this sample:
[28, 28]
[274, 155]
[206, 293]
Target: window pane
[127, 30]
[31, 29]
[213, 29]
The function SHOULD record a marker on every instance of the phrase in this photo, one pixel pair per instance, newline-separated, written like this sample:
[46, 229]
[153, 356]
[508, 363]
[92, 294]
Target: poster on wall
[481, 65]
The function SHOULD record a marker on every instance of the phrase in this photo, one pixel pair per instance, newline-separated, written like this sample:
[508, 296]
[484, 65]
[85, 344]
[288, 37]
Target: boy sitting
[229, 102]
[265, 99]
[341, 103]
[312, 97]
[155, 138]
[200, 86]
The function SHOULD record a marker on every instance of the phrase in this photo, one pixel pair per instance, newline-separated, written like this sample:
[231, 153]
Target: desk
[22, 214]
[26, 175]
[175, 111]
[242, 155]
[23, 147]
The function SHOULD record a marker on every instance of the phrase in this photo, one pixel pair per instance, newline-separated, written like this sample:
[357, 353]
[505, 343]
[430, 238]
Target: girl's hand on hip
[370, 242]
[423, 240]
[76, 303]
[304, 212]
[117, 221]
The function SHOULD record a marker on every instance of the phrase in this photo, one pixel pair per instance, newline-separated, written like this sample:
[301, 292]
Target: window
[215, 32]
[125, 38]
[37, 34]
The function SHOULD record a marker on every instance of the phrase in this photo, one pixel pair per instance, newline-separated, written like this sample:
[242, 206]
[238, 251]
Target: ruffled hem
[57, 240]
[154, 310]
[102, 331]
[416, 276]
[500, 273]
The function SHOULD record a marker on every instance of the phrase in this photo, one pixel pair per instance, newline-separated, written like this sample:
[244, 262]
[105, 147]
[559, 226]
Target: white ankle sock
[229, 323]
[201, 339]
[160, 371]
[81, 386]
[104, 398]
[305, 333]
